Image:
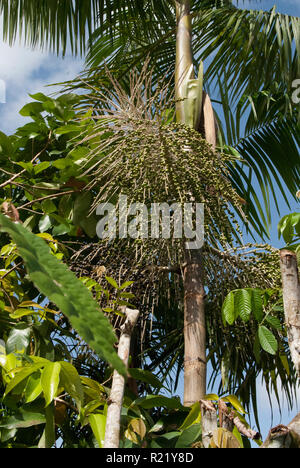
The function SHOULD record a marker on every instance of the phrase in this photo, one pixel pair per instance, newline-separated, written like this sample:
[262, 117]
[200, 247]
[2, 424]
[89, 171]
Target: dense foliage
[63, 291]
[51, 379]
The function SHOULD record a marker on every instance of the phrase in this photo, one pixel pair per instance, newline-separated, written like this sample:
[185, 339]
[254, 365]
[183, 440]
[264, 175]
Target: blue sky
[27, 71]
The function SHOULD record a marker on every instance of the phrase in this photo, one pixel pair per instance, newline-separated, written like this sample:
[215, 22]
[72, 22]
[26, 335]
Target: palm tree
[252, 63]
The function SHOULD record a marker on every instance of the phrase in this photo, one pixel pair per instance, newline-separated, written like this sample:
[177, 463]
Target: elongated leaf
[33, 387]
[145, 376]
[97, 422]
[70, 379]
[23, 419]
[157, 401]
[257, 304]
[189, 436]
[112, 282]
[274, 322]
[21, 375]
[267, 340]
[50, 381]
[63, 288]
[19, 338]
[234, 401]
[228, 310]
[242, 302]
[193, 417]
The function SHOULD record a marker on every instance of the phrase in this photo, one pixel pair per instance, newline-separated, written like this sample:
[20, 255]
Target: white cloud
[27, 71]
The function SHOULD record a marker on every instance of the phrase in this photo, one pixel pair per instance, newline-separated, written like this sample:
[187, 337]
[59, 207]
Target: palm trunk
[184, 55]
[194, 329]
[194, 314]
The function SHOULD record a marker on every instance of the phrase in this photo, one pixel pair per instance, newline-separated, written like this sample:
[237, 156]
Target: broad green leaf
[166, 441]
[40, 97]
[48, 206]
[238, 436]
[71, 381]
[10, 364]
[41, 167]
[112, 282]
[68, 129]
[19, 313]
[50, 381]
[234, 401]
[19, 338]
[63, 288]
[98, 422]
[193, 417]
[89, 224]
[28, 166]
[189, 436]
[61, 229]
[31, 109]
[126, 284]
[46, 236]
[20, 375]
[145, 376]
[6, 146]
[60, 164]
[274, 322]
[242, 304]
[288, 232]
[45, 223]
[82, 207]
[33, 387]
[157, 401]
[228, 311]
[170, 420]
[23, 419]
[267, 340]
[287, 225]
[257, 304]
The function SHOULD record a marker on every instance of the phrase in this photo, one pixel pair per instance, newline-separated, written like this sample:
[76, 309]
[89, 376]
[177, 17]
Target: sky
[25, 71]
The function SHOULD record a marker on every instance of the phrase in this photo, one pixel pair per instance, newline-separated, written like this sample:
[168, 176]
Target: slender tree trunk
[112, 431]
[184, 55]
[194, 329]
[194, 314]
[291, 302]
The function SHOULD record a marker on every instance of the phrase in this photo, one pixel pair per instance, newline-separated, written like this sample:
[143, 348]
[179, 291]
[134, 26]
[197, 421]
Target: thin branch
[112, 432]
[47, 197]
[15, 176]
[11, 270]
